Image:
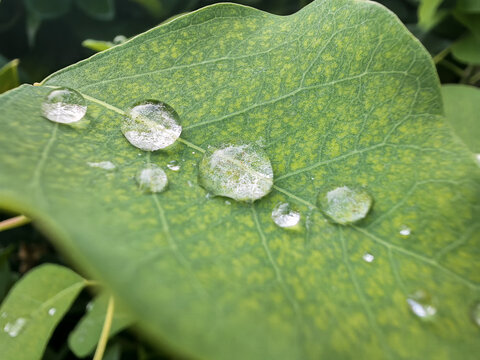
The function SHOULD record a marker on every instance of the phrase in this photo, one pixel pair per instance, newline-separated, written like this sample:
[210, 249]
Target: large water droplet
[52, 311]
[105, 165]
[421, 305]
[368, 257]
[476, 313]
[240, 172]
[151, 125]
[173, 165]
[64, 106]
[346, 205]
[284, 216]
[13, 329]
[152, 179]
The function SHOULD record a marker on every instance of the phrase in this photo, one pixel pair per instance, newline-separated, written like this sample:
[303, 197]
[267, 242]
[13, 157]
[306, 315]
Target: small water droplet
[421, 305]
[89, 306]
[476, 313]
[368, 257]
[405, 231]
[173, 165]
[151, 125]
[227, 202]
[152, 179]
[119, 39]
[3, 315]
[209, 196]
[190, 183]
[106, 165]
[242, 172]
[13, 329]
[64, 105]
[284, 216]
[52, 311]
[477, 157]
[193, 153]
[346, 205]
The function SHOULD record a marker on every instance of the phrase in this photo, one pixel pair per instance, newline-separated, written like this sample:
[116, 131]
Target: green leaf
[472, 6]
[471, 21]
[97, 45]
[429, 13]
[462, 109]
[9, 76]
[467, 50]
[84, 338]
[33, 308]
[339, 93]
[48, 9]
[98, 9]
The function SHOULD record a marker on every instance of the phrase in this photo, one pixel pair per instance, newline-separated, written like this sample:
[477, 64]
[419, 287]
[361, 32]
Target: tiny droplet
[240, 172]
[64, 105]
[52, 311]
[346, 205]
[405, 231]
[152, 179]
[173, 165]
[151, 125]
[368, 257]
[284, 216]
[13, 329]
[476, 313]
[421, 305]
[106, 165]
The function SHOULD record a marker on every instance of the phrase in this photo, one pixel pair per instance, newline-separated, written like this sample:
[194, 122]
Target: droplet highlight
[64, 105]
[368, 257]
[52, 311]
[240, 172]
[421, 305]
[151, 125]
[405, 231]
[173, 165]
[346, 205]
[13, 329]
[476, 314]
[284, 216]
[152, 179]
[105, 165]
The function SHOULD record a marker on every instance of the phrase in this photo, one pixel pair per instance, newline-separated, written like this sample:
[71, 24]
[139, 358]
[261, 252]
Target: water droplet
[13, 329]
[119, 39]
[284, 216]
[152, 179]
[193, 153]
[477, 157]
[151, 125]
[190, 183]
[3, 315]
[106, 165]
[368, 257]
[345, 205]
[89, 306]
[52, 311]
[421, 305]
[227, 202]
[242, 172]
[173, 165]
[405, 231]
[476, 313]
[64, 105]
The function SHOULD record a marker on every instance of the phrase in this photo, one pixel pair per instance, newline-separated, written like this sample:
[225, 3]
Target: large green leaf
[33, 308]
[338, 93]
[467, 50]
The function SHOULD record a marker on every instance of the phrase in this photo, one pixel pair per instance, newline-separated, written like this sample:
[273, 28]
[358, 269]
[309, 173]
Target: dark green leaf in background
[467, 50]
[48, 9]
[83, 340]
[98, 9]
[33, 308]
[339, 93]
[9, 76]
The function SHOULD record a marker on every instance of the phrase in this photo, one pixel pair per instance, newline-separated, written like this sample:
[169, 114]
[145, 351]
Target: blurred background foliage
[38, 37]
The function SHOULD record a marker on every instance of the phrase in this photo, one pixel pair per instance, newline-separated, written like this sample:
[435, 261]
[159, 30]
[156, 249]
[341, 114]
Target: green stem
[102, 342]
[14, 222]
[441, 55]
[193, 146]
[475, 78]
[452, 67]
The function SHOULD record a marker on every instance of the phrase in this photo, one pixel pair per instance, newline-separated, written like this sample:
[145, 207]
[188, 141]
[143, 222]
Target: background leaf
[83, 340]
[9, 76]
[98, 9]
[48, 9]
[467, 50]
[33, 308]
[339, 93]
[462, 109]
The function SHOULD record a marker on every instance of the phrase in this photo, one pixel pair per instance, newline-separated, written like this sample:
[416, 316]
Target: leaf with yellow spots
[339, 94]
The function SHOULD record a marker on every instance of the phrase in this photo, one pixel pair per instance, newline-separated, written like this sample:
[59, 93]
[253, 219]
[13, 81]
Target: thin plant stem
[102, 342]
[14, 222]
[452, 67]
[441, 55]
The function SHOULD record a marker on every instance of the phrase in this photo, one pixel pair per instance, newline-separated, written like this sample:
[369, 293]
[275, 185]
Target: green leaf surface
[429, 13]
[98, 9]
[462, 110]
[84, 338]
[48, 9]
[472, 6]
[467, 50]
[33, 308]
[9, 76]
[339, 93]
